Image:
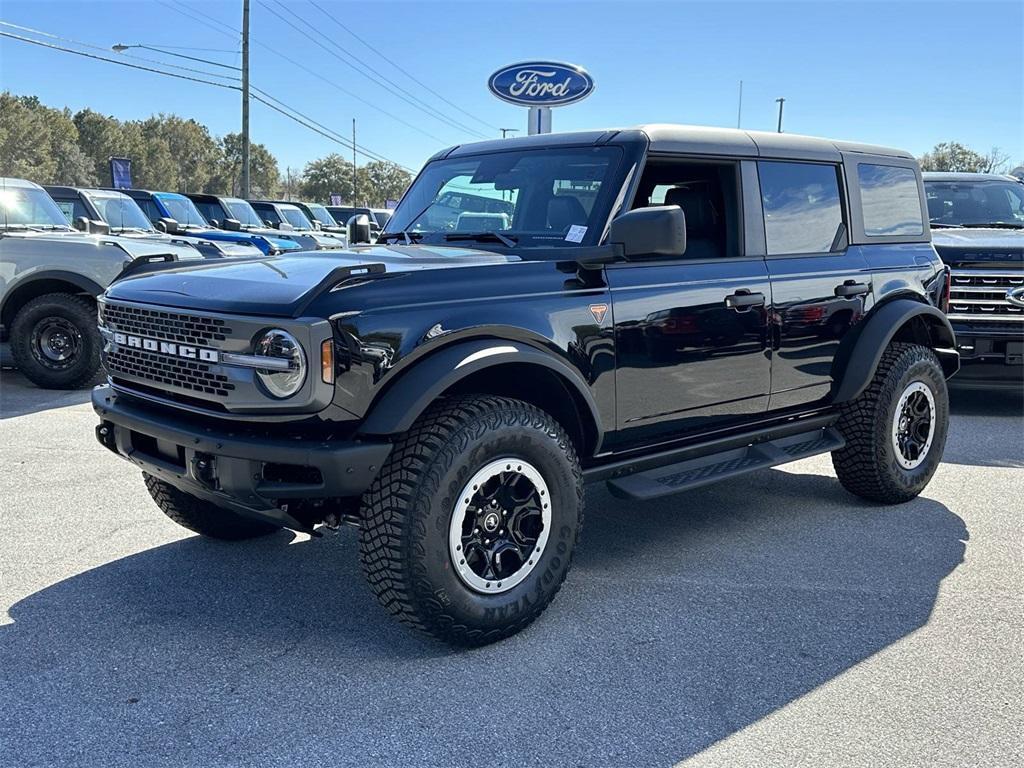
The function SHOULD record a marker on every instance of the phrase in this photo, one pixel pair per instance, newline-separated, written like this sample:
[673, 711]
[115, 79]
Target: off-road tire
[80, 312]
[406, 514]
[202, 517]
[867, 466]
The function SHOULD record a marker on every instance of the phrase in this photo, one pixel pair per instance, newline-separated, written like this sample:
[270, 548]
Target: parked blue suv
[236, 215]
[177, 214]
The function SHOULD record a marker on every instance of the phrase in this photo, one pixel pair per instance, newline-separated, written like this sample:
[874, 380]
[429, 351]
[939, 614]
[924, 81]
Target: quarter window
[890, 200]
[802, 209]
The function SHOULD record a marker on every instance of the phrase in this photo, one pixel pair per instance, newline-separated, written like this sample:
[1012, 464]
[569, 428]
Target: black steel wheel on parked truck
[469, 531]
[55, 342]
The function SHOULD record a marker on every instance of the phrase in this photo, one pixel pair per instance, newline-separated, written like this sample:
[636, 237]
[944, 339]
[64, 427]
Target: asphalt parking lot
[773, 621]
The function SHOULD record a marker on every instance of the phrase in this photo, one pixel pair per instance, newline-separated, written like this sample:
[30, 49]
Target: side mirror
[317, 225]
[214, 223]
[81, 224]
[167, 224]
[269, 223]
[234, 225]
[656, 231]
[99, 227]
[358, 229]
[284, 225]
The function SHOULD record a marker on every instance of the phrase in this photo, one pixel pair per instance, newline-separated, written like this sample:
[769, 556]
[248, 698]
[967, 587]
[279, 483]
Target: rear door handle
[744, 299]
[852, 288]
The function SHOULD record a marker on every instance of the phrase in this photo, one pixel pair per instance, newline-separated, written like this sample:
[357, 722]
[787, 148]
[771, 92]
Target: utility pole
[506, 131]
[739, 109]
[245, 99]
[355, 177]
[780, 101]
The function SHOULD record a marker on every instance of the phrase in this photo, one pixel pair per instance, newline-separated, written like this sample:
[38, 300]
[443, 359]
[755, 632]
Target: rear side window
[890, 200]
[802, 207]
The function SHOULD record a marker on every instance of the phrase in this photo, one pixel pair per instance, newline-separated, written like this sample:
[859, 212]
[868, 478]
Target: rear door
[691, 333]
[819, 284]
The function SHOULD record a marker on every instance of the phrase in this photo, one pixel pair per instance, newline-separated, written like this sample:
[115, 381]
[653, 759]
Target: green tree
[264, 175]
[951, 156]
[25, 149]
[330, 175]
[181, 155]
[380, 181]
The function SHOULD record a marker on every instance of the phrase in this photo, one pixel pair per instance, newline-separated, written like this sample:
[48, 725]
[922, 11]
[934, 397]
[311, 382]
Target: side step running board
[692, 473]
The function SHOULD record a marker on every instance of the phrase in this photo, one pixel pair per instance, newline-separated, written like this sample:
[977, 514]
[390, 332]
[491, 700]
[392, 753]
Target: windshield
[241, 210]
[183, 210]
[29, 207]
[296, 218]
[975, 203]
[320, 214]
[542, 197]
[120, 211]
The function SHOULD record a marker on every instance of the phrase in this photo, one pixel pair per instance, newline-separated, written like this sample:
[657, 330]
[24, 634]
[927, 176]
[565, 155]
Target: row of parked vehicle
[62, 246]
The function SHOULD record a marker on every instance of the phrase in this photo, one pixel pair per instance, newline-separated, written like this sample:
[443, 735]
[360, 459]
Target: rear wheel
[202, 517]
[896, 430]
[55, 342]
[469, 530]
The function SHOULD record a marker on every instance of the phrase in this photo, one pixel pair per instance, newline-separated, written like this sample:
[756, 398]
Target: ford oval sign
[541, 84]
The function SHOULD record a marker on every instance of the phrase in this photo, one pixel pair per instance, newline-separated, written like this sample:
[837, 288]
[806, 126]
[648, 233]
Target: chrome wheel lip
[462, 505]
[898, 426]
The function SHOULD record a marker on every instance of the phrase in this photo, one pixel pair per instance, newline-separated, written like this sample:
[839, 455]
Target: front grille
[189, 375]
[981, 296]
[168, 326]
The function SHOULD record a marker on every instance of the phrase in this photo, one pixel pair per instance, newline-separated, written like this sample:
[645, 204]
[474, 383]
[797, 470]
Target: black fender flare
[856, 365]
[425, 380]
[84, 284]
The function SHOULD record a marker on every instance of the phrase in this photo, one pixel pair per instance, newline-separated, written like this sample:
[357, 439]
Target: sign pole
[539, 120]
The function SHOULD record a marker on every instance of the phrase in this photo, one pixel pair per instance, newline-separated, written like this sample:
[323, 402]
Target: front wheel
[469, 530]
[895, 430]
[55, 342]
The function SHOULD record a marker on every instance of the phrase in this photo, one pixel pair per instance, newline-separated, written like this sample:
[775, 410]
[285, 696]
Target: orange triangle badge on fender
[599, 311]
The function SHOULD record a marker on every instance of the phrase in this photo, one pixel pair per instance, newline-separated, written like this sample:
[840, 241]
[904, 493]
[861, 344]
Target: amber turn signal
[327, 361]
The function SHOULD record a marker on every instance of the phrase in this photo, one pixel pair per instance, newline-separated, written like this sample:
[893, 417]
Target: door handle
[852, 288]
[744, 299]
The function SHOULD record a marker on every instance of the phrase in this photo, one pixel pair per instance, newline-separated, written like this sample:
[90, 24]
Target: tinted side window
[890, 200]
[210, 211]
[802, 209]
[150, 209]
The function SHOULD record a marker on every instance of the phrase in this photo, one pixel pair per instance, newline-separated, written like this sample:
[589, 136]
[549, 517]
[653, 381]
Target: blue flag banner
[121, 172]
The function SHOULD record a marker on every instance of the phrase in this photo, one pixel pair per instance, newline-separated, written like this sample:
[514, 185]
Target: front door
[691, 333]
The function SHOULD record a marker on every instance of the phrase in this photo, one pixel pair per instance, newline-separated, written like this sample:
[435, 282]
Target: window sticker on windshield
[576, 234]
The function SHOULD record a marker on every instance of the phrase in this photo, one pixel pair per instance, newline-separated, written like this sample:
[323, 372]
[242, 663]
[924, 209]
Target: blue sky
[904, 74]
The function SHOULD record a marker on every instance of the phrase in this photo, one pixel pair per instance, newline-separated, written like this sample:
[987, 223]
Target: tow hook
[204, 470]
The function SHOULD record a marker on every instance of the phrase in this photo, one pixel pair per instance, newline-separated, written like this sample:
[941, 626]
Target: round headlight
[285, 378]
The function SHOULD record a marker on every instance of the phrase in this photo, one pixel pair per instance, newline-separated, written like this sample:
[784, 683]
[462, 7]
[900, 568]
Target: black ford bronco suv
[658, 308]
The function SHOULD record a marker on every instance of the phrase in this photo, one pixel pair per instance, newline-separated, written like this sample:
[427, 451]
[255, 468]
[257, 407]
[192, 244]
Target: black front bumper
[230, 469]
[989, 358]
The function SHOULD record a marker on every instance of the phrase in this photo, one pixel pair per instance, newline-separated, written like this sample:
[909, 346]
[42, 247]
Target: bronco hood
[980, 248]
[281, 286]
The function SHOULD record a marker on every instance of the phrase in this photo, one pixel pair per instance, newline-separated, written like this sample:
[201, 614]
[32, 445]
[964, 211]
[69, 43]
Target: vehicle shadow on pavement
[683, 621]
[20, 397]
[993, 436]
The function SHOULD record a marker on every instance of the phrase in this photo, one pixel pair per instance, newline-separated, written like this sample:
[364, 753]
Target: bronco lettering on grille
[167, 347]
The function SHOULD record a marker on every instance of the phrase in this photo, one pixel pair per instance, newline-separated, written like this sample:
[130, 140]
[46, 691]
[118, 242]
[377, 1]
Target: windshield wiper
[945, 225]
[995, 225]
[409, 237]
[508, 241]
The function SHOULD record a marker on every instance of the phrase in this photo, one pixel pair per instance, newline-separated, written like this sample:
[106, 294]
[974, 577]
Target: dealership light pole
[739, 109]
[780, 101]
[245, 99]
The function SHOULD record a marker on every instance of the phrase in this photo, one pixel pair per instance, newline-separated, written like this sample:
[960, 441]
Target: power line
[234, 33]
[80, 44]
[299, 117]
[400, 68]
[382, 82]
[115, 61]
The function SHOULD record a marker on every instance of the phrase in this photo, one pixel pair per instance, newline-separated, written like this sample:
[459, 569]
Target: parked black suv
[665, 307]
[977, 224]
